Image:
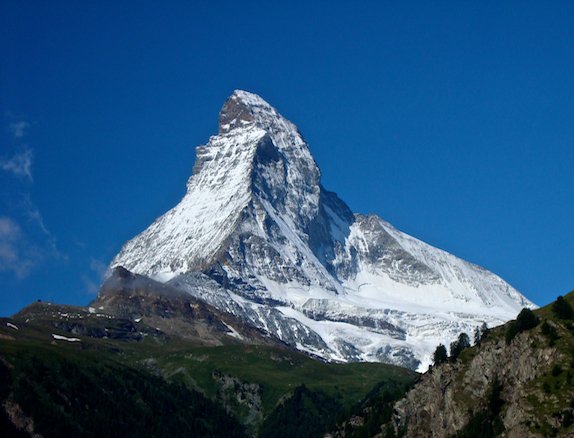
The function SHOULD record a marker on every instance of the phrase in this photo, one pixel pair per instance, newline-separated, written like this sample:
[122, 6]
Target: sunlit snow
[64, 338]
[256, 235]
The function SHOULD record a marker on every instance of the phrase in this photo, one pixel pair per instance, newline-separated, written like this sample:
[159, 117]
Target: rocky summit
[257, 236]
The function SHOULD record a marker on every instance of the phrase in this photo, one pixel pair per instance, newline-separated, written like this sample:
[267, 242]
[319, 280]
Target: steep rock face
[258, 236]
[533, 374]
[132, 307]
[439, 405]
[144, 302]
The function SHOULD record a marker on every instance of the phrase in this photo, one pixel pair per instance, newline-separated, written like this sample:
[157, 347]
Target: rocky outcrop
[172, 311]
[132, 307]
[20, 423]
[243, 399]
[450, 394]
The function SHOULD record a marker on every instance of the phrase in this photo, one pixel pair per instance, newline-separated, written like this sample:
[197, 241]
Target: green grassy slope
[279, 372]
[66, 392]
[250, 381]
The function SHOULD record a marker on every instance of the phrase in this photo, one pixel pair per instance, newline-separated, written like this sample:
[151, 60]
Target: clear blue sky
[452, 120]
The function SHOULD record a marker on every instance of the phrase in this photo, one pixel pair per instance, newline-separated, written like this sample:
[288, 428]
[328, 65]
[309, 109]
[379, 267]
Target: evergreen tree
[525, 320]
[457, 346]
[484, 330]
[477, 335]
[562, 308]
[440, 355]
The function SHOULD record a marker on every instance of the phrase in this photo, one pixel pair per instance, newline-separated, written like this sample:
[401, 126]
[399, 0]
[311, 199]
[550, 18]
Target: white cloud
[18, 129]
[20, 250]
[14, 256]
[8, 229]
[20, 164]
[36, 218]
[91, 286]
[25, 241]
[98, 268]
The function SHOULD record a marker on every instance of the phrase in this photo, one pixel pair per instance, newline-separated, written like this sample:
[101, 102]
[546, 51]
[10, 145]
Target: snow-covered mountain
[258, 236]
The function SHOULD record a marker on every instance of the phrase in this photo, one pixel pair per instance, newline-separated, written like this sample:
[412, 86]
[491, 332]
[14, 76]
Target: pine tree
[480, 333]
[457, 346]
[562, 308]
[477, 335]
[440, 355]
[525, 320]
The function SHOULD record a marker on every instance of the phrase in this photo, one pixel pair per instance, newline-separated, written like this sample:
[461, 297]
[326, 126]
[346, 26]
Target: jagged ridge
[258, 236]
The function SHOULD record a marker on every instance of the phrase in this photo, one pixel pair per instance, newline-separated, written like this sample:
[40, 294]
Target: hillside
[69, 371]
[516, 382]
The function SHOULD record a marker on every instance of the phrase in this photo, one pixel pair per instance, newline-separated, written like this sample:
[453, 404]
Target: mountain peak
[258, 236]
[249, 99]
[243, 108]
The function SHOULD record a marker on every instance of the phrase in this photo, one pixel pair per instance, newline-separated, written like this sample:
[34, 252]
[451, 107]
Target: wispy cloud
[19, 129]
[35, 217]
[9, 234]
[91, 286]
[20, 251]
[16, 255]
[25, 240]
[20, 164]
[98, 269]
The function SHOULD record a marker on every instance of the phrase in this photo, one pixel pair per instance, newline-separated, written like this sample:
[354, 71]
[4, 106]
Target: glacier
[258, 236]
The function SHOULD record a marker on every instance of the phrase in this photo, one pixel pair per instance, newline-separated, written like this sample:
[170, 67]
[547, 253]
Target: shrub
[486, 423]
[493, 395]
[511, 332]
[305, 413]
[567, 418]
[550, 332]
[556, 370]
[562, 308]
